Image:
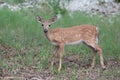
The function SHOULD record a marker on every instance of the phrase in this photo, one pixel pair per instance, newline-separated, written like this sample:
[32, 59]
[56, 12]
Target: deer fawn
[73, 35]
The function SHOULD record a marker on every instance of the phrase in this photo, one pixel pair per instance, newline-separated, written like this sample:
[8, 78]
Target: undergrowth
[21, 33]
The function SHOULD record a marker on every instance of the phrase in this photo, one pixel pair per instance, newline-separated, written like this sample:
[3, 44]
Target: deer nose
[45, 30]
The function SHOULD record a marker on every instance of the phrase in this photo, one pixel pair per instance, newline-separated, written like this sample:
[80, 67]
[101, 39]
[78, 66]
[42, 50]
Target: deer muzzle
[45, 30]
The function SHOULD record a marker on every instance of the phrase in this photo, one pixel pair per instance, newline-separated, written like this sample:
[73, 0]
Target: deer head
[46, 23]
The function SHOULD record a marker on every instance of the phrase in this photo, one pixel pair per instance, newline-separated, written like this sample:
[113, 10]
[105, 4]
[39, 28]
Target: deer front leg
[54, 54]
[61, 50]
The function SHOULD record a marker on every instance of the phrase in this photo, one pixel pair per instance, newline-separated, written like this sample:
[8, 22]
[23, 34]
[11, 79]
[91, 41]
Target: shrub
[54, 6]
[14, 1]
[117, 1]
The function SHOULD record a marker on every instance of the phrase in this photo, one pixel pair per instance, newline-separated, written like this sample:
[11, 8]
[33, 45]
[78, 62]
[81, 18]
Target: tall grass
[20, 29]
[17, 28]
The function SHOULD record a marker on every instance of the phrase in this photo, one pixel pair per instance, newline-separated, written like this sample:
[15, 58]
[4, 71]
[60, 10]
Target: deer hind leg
[54, 54]
[99, 49]
[96, 48]
[94, 58]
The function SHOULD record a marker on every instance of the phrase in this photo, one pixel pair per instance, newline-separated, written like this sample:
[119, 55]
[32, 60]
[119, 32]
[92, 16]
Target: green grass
[21, 31]
[13, 1]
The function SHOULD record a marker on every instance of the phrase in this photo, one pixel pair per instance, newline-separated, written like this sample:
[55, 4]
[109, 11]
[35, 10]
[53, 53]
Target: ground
[75, 67]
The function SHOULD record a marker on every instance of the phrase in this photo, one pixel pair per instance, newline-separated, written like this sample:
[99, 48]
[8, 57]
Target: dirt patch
[7, 51]
[10, 52]
[75, 67]
[72, 69]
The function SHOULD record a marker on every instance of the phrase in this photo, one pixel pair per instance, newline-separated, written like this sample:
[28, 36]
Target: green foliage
[14, 1]
[117, 1]
[53, 6]
[20, 30]
[16, 27]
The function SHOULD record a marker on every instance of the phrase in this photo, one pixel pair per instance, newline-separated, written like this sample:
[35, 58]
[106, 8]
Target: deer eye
[49, 25]
[42, 25]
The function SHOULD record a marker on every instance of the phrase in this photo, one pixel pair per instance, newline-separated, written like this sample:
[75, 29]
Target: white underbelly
[75, 42]
[70, 43]
[54, 43]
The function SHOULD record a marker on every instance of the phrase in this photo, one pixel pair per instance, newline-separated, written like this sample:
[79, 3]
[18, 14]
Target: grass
[21, 33]
[13, 1]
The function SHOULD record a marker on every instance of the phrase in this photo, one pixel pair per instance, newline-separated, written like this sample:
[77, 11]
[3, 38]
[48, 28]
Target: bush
[14, 1]
[54, 6]
[117, 0]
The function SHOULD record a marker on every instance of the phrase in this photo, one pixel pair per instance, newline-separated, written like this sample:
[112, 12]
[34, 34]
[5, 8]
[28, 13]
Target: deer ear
[53, 19]
[39, 18]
